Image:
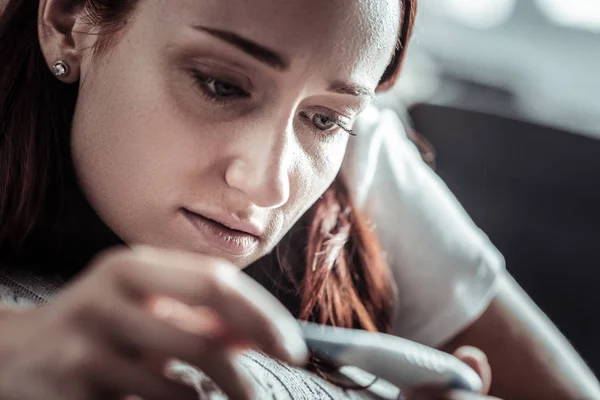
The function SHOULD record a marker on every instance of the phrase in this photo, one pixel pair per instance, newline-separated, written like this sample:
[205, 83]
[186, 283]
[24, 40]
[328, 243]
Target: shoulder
[377, 132]
[444, 266]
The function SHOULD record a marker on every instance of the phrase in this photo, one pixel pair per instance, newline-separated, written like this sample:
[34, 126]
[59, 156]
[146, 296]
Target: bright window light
[479, 14]
[575, 13]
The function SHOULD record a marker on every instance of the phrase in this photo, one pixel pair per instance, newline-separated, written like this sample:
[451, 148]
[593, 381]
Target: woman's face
[213, 125]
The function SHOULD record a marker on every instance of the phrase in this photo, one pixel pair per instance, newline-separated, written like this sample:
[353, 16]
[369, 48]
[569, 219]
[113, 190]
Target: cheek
[135, 156]
[311, 178]
[112, 138]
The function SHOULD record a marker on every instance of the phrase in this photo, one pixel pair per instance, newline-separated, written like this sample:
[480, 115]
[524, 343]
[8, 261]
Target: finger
[202, 321]
[221, 366]
[114, 372]
[142, 334]
[477, 360]
[243, 305]
[219, 363]
[159, 341]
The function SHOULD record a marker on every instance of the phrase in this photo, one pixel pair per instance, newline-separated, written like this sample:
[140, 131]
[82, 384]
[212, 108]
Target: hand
[103, 336]
[477, 360]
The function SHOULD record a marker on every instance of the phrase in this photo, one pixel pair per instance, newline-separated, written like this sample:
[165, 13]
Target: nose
[261, 168]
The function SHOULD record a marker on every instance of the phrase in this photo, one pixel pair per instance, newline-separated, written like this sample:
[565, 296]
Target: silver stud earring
[60, 69]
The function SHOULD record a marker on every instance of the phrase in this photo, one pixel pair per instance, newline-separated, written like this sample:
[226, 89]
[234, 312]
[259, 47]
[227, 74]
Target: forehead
[359, 34]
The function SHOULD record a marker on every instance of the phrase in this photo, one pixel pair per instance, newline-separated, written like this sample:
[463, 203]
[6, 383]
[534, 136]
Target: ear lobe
[59, 40]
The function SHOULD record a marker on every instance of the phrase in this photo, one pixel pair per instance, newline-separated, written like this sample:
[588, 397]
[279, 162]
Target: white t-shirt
[445, 268]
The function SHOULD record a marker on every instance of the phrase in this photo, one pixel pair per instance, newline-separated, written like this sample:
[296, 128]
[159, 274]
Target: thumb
[478, 361]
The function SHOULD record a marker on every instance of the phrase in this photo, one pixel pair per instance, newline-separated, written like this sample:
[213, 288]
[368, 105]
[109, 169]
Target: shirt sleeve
[445, 268]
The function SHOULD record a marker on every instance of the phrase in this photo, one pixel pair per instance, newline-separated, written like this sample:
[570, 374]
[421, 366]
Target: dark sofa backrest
[536, 192]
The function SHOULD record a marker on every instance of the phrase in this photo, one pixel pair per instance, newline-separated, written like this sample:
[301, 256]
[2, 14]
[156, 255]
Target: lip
[237, 242]
[231, 223]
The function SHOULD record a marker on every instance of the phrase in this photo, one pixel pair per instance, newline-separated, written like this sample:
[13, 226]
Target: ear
[60, 32]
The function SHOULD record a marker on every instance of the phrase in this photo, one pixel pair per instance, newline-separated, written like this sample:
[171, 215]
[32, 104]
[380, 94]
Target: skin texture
[146, 140]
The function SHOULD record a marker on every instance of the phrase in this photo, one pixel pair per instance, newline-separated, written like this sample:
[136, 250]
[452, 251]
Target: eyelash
[202, 81]
[337, 120]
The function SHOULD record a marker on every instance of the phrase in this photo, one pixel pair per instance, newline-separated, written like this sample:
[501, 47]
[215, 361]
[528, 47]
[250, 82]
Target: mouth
[222, 237]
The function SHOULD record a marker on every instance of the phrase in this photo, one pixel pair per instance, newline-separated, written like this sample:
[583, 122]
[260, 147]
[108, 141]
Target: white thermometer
[401, 362]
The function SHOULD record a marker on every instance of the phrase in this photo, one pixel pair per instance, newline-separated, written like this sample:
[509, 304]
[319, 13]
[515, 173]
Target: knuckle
[78, 355]
[73, 309]
[118, 267]
[110, 261]
[79, 314]
[86, 307]
[107, 309]
[108, 255]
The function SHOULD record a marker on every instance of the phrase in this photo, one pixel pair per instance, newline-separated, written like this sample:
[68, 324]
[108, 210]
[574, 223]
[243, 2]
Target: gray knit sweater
[272, 379]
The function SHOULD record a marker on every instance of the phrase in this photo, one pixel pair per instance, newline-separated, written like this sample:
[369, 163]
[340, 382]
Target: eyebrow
[278, 61]
[351, 89]
[259, 52]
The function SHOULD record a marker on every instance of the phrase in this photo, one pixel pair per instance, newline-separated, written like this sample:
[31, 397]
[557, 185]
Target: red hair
[346, 281]
[339, 274]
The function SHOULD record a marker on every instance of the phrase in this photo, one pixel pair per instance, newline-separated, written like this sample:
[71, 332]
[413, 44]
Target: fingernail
[470, 352]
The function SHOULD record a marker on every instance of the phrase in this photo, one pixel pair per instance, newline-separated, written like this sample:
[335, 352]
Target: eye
[223, 89]
[325, 122]
[218, 89]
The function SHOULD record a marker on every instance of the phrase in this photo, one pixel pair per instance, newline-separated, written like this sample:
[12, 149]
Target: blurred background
[508, 93]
